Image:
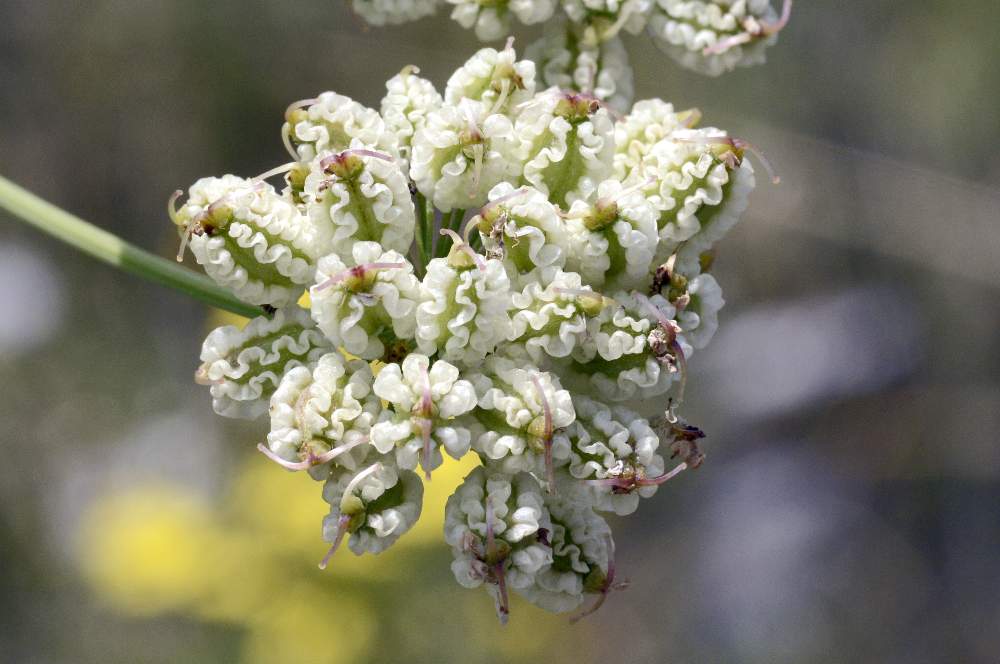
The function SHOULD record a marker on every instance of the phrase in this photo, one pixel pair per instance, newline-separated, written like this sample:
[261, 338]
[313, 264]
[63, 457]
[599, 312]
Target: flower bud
[495, 78]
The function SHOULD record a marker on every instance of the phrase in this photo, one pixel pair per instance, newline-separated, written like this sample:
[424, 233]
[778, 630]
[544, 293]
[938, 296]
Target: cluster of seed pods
[502, 270]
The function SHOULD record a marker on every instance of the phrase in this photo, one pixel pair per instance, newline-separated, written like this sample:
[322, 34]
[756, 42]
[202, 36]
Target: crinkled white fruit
[525, 230]
[496, 78]
[331, 123]
[496, 527]
[393, 12]
[249, 239]
[580, 541]
[520, 417]
[715, 36]
[700, 186]
[359, 196]
[460, 153]
[606, 18]
[424, 400]
[566, 60]
[407, 102]
[699, 319]
[376, 506]
[646, 124]
[244, 366]
[549, 321]
[330, 407]
[618, 359]
[491, 18]
[614, 452]
[462, 315]
[613, 238]
[566, 143]
[366, 308]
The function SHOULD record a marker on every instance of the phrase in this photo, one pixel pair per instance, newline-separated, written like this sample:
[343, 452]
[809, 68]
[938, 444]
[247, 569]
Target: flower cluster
[518, 331]
[582, 46]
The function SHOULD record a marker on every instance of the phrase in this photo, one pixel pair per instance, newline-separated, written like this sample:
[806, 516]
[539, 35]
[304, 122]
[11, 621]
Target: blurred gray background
[849, 510]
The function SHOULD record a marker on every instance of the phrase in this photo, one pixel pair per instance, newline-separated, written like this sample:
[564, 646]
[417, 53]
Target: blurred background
[849, 510]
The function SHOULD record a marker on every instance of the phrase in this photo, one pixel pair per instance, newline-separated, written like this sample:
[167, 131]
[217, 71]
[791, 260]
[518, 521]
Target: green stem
[113, 250]
[421, 205]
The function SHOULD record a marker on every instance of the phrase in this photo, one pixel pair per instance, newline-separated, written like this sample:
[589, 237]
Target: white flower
[614, 238]
[408, 100]
[331, 123]
[566, 143]
[328, 409]
[376, 506]
[495, 78]
[244, 366]
[461, 153]
[491, 18]
[608, 17]
[249, 239]
[358, 196]
[715, 36]
[462, 314]
[368, 306]
[424, 399]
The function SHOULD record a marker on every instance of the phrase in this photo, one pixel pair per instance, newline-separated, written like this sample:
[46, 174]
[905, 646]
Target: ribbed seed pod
[375, 506]
[324, 415]
[409, 99]
[566, 143]
[496, 527]
[715, 36]
[249, 239]
[367, 308]
[331, 123]
[393, 12]
[521, 413]
[613, 238]
[632, 350]
[464, 299]
[581, 556]
[491, 18]
[460, 153]
[244, 366]
[549, 321]
[360, 196]
[700, 186]
[646, 124]
[614, 452]
[496, 78]
[566, 58]
[424, 400]
[523, 229]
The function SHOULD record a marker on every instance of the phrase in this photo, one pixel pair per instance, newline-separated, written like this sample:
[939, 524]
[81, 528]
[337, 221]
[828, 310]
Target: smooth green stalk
[113, 250]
